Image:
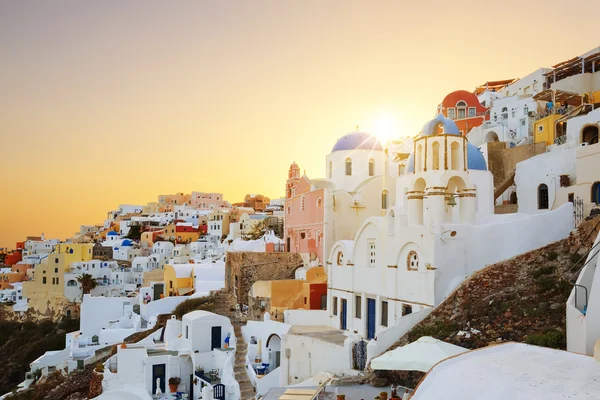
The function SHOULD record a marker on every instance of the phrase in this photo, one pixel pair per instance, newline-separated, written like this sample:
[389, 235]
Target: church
[434, 231]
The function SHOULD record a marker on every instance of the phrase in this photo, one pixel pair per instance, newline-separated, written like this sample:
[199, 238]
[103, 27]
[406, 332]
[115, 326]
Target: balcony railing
[560, 140]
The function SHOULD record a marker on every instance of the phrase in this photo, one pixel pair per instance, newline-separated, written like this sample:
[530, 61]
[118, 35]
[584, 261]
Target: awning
[417, 356]
[184, 290]
[559, 96]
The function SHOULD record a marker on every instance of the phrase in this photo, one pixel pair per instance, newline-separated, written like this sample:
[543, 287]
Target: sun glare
[386, 127]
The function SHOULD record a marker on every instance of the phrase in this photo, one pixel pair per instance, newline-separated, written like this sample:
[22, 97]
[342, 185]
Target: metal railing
[560, 140]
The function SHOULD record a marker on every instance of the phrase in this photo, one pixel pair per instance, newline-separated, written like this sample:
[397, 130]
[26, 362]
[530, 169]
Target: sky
[115, 102]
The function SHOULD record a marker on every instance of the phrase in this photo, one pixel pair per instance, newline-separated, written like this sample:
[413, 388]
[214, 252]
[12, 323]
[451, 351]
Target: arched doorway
[543, 200]
[273, 348]
[491, 136]
[589, 134]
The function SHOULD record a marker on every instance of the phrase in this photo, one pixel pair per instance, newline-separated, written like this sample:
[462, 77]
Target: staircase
[224, 305]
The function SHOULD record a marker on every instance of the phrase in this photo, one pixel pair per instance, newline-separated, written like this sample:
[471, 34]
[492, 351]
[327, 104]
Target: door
[370, 318]
[343, 316]
[219, 391]
[158, 290]
[191, 386]
[287, 247]
[158, 372]
[215, 338]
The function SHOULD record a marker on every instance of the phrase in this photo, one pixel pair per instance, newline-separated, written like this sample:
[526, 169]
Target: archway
[543, 197]
[415, 202]
[460, 201]
[273, 349]
[491, 136]
[589, 134]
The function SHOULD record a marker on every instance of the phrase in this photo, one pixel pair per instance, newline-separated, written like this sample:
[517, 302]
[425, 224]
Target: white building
[441, 230]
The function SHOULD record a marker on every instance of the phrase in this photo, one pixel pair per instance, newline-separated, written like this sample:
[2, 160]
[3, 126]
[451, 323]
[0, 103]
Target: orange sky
[112, 102]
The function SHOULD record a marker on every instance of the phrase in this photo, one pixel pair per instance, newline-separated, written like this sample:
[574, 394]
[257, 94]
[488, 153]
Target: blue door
[596, 190]
[370, 318]
[343, 316]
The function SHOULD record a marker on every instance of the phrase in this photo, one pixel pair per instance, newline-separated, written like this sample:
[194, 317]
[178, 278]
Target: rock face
[242, 269]
[522, 299]
[95, 385]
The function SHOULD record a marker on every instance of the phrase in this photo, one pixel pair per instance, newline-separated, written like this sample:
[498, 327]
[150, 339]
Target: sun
[386, 128]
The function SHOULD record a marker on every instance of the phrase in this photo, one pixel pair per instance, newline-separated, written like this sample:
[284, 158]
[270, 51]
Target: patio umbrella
[417, 356]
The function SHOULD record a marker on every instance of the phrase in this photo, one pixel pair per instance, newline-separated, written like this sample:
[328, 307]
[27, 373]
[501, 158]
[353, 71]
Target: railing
[560, 140]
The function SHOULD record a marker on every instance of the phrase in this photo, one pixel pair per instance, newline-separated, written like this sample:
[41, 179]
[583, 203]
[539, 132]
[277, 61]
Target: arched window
[71, 283]
[436, 155]
[461, 109]
[543, 197]
[455, 156]
[412, 261]
[330, 169]
[371, 167]
[419, 158]
[384, 200]
[319, 202]
[348, 167]
[302, 203]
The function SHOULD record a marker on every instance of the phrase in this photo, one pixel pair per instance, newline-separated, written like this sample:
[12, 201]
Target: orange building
[256, 201]
[13, 257]
[464, 109]
[18, 273]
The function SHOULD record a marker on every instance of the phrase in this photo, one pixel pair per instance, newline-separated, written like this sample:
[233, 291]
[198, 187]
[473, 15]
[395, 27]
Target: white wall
[360, 167]
[97, 312]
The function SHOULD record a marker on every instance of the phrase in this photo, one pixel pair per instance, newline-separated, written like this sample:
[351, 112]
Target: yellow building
[544, 129]
[179, 279]
[75, 252]
[45, 293]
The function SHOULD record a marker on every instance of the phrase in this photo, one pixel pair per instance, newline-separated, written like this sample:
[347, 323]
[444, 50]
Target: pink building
[208, 200]
[304, 214]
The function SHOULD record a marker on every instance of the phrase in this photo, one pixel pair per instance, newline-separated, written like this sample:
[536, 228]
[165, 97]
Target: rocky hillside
[521, 300]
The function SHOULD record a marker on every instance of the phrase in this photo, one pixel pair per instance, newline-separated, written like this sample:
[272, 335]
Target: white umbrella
[417, 356]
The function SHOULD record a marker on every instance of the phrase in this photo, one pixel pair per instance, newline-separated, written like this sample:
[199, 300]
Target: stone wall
[242, 269]
[502, 161]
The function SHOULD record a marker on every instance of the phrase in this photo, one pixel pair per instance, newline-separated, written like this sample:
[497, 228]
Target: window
[330, 170]
[44, 280]
[335, 306]
[323, 302]
[187, 331]
[302, 235]
[525, 110]
[571, 197]
[384, 313]
[543, 197]
[319, 202]
[401, 169]
[56, 261]
[384, 200]
[406, 309]
[56, 270]
[340, 258]
[504, 113]
[472, 112]
[513, 113]
[412, 261]
[304, 300]
[348, 167]
[435, 159]
[596, 193]
[371, 167]
[57, 281]
[357, 306]
[452, 113]
[302, 203]
[372, 253]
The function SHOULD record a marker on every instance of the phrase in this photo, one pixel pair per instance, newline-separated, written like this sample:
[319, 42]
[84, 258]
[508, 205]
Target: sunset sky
[113, 102]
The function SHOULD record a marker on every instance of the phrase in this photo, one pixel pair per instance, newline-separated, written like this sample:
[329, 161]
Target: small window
[472, 112]
[335, 306]
[452, 113]
[340, 258]
[187, 331]
[56, 261]
[348, 167]
[371, 167]
[372, 253]
[357, 307]
[571, 197]
[543, 197]
[384, 313]
[319, 202]
[401, 169]
[57, 280]
[304, 300]
[412, 261]
[56, 270]
[302, 204]
[406, 309]
[384, 200]
[302, 235]
[44, 280]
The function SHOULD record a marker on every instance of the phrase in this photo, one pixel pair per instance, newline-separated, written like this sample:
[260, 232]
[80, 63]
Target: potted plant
[341, 397]
[173, 383]
[383, 395]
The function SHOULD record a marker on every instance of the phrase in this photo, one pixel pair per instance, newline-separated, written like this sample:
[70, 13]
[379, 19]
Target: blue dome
[475, 159]
[127, 242]
[430, 128]
[112, 233]
[357, 140]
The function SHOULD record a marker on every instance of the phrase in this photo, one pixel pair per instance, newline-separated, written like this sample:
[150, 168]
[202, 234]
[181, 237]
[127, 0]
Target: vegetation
[88, 283]
[551, 256]
[206, 303]
[551, 338]
[257, 231]
[135, 232]
[23, 342]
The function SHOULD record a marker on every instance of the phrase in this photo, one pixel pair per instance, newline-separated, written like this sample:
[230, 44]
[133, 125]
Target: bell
[451, 201]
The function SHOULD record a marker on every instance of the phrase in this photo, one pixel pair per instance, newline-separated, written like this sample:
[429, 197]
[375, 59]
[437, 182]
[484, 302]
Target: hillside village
[471, 245]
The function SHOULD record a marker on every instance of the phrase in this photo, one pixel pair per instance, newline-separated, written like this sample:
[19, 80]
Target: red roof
[453, 98]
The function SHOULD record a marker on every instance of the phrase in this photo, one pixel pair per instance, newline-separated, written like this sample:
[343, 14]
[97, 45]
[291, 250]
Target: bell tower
[292, 181]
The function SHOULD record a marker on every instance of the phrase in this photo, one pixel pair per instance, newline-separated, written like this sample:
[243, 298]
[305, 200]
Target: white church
[440, 228]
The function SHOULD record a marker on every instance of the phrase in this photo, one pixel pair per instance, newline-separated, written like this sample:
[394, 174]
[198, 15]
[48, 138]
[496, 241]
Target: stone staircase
[224, 305]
